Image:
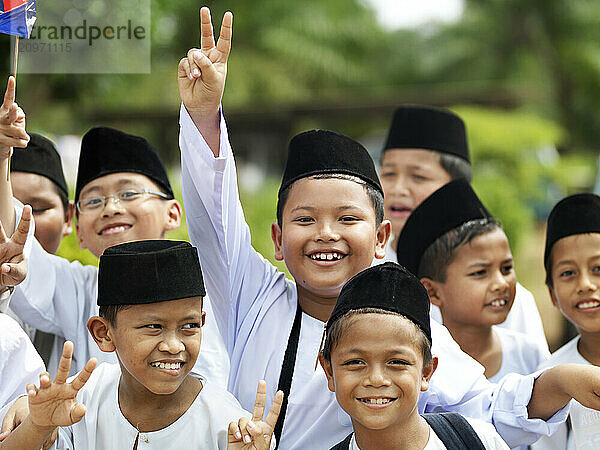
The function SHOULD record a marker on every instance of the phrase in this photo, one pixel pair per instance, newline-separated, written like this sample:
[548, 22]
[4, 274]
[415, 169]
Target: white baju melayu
[490, 439]
[255, 305]
[520, 353]
[523, 316]
[20, 364]
[203, 426]
[564, 438]
[59, 297]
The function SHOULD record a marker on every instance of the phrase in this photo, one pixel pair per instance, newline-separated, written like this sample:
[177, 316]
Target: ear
[326, 365]
[427, 373]
[276, 236]
[433, 290]
[203, 318]
[174, 213]
[68, 225]
[384, 232]
[101, 331]
[79, 236]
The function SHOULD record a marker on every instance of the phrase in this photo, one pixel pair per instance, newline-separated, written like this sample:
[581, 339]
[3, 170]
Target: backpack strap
[454, 431]
[344, 445]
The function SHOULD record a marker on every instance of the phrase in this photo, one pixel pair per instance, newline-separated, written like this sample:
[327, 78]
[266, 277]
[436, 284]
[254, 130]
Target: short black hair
[440, 254]
[109, 312]
[375, 196]
[341, 325]
[64, 198]
[456, 167]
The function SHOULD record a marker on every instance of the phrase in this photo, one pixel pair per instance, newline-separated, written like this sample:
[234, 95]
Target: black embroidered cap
[149, 271]
[576, 214]
[40, 157]
[321, 152]
[106, 150]
[430, 128]
[389, 287]
[450, 206]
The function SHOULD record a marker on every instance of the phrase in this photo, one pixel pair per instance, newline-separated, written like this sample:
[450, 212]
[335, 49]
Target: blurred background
[523, 74]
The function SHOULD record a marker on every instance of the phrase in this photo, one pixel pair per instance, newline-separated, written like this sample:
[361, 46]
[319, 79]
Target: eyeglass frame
[116, 198]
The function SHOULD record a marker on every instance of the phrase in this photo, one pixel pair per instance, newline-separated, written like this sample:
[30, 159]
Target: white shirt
[523, 316]
[59, 297]
[254, 306]
[19, 362]
[490, 439]
[520, 353]
[564, 438]
[104, 427]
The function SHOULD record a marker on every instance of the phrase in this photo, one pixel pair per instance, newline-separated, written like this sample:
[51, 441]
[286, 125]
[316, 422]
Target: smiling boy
[377, 358]
[426, 148]
[273, 327]
[152, 320]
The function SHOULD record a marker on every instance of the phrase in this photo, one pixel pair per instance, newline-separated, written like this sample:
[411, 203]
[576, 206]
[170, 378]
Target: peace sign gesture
[255, 434]
[201, 75]
[54, 404]
[13, 267]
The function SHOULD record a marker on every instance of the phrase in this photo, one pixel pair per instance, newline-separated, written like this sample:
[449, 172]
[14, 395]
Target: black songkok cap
[430, 128]
[150, 271]
[446, 209]
[322, 152]
[576, 214]
[389, 287]
[106, 150]
[40, 157]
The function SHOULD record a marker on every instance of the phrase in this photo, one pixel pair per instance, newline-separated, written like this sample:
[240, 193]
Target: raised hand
[255, 434]
[201, 75]
[13, 267]
[54, 403]
[12, 122]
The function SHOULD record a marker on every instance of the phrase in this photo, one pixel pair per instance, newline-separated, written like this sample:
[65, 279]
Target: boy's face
[408, 177]
[480, 282]
[328, 234]
[51, 222]
[376, 370]
[157, 344]
[149, 217]
[576, 279]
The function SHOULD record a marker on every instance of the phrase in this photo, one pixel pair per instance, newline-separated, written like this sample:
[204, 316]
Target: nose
[501, 281]
[112, 206]
[377, 377]
[586, 283]
[171, 344]
[327, 232]
[400, 186]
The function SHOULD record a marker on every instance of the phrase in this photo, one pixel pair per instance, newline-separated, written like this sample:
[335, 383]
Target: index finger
[224, 42]
[20, 235]
[62, 373]
[273, 415]
[9, 95]
[259, 404]
[207, 40]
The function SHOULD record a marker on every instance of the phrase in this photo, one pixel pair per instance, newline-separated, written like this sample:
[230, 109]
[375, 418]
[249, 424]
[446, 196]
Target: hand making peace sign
[13, 267]
[255, 434]
[12, 122]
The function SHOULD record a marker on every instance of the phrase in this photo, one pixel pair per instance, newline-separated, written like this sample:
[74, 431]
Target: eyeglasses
[90, 204]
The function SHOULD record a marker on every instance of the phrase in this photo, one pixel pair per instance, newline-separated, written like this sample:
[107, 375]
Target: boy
[330, 227]
[572, 262]
[377, 358]
[150, 302]
[37, 179]
[122, 194]
[463, 258]
[426, 148]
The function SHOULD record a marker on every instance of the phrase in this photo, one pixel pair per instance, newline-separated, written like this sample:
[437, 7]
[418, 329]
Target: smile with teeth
[168, 366]
[376, 401]
[588, 304]
[114, 229]
[326, 256]
[498, 302]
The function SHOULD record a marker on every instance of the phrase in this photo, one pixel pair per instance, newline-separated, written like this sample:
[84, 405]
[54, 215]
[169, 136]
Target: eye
[129, 194]
[191, 325]
[304, 220]
[418, 177]
[40, 210]
[596, 269]
[388, 174]
[349, 219]
[566, 273]
[507, 269]
[153, 326]
[94, 202]
[353, 362]
[399, 362]
[478, 273]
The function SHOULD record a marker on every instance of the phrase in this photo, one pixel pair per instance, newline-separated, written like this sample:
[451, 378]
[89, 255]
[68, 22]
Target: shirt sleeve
[236, 276]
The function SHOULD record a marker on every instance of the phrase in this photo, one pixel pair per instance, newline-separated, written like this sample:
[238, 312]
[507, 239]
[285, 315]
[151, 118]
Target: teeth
[498, 303]
[376, 401]
[590, 304]
[168, 366]
[326, 256]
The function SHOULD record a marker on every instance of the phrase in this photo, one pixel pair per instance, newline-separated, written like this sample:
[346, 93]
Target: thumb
[77, 412]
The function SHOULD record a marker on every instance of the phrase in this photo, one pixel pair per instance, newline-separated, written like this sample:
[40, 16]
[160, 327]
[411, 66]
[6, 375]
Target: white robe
[59, 297]
[490, 439]
[20, 364]
[523, 316]
[104, 427]
[254, 305]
